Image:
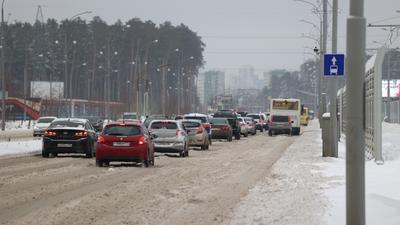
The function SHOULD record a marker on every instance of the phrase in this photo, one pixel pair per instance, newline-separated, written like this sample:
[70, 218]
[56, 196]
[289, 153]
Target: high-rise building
[210, 84]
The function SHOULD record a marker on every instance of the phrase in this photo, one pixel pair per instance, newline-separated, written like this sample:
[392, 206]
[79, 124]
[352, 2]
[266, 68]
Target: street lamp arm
[79, 14]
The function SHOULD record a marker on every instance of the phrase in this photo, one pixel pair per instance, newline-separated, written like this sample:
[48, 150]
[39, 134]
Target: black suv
[233, 119]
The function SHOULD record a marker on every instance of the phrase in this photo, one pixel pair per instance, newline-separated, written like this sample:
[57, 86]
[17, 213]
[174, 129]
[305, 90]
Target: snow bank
[292, 193]
[19, 147]
[382, 183]
[19, 125]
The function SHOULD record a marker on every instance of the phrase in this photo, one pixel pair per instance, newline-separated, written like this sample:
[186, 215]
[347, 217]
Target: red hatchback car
[125, 142]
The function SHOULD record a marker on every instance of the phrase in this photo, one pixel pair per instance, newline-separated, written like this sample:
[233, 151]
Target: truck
[305, 117]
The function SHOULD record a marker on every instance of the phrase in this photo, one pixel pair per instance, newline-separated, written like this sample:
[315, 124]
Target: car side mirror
[153, 136]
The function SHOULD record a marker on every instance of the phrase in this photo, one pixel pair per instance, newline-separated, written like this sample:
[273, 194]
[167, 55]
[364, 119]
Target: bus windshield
[285, 105]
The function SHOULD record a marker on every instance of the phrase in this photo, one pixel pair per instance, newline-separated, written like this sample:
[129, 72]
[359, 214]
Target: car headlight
[35, 127]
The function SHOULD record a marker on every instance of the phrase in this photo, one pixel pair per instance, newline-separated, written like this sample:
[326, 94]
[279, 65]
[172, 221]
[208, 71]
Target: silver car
[198, 135]
[280, 124]
[42, 124]
[251, 125]
[244, 129]
[170, 137]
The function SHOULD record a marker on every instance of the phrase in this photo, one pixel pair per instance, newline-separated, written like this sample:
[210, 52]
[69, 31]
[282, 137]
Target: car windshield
[67, 123]
[201, 118]
[164, 125]
[219, 121]
[45, 120]
[256, 117]
[188, 124]
[125, 130]
[248, 119]
[129, 117]
[280, 119]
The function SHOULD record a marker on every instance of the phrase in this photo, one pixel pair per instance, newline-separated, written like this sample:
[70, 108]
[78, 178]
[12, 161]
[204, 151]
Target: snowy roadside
[382, 183]
[20, 147]
[294, 191]
[305, 188]
[19, 125]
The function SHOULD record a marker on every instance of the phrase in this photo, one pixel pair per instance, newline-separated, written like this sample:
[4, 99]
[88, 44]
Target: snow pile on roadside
[382, 183]
[292, 193]
[20, 147]
[19, 125]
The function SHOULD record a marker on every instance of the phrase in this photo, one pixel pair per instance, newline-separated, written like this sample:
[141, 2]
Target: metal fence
[372, 104]
[391, 110]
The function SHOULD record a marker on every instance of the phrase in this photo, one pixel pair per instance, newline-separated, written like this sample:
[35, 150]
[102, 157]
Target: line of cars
[134, 140]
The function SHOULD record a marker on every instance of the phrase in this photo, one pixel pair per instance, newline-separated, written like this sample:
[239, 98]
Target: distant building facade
[210, 84]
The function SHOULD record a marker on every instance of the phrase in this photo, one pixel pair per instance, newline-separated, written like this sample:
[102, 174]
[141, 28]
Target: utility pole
[322, 107]
[3, 75]
[333, 86]
[355, 144]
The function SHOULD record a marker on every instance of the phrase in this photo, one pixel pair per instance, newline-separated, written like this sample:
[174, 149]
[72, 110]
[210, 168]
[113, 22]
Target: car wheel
[262, 130]
[182, 154]
[45, 154]
[270, 133]
[90, 151]
[152, 161]
[54, 154]
[99, 163]
[208, 145]
[210, 141]
[237, 136]
[246, 134]
[187, 153]
[254, 133]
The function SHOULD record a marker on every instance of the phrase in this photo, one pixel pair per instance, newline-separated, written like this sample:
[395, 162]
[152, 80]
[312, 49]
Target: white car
[42, 124]
[244, 127]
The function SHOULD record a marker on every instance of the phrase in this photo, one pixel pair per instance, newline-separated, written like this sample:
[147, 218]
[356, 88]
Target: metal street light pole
[3, 75]
[333, 86]
[355, 144]
[322, 108]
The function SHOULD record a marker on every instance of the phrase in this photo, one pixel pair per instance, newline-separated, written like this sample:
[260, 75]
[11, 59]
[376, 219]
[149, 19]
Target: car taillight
[226, 128]
[207, 125]
[101, 140]
[200, 130]
[49, 133]
[179, 133]
[142, 140]
[81, 134]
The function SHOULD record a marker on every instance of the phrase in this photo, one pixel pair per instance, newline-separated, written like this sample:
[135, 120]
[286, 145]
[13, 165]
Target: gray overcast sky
[262, 33]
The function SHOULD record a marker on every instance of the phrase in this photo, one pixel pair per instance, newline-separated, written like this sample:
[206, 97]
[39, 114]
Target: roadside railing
[372, 107]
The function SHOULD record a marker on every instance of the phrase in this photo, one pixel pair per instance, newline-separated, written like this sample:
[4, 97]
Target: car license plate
[163, 143]
[121, 144]
[216, 129]
[61, 145]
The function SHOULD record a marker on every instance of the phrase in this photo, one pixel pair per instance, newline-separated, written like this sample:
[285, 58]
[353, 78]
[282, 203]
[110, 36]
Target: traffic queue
[130, 139]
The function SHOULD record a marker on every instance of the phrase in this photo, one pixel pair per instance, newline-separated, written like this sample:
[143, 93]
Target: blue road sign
[333, 65]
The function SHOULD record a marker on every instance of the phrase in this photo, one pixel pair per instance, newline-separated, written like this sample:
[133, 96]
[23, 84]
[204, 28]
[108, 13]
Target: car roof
[191, 120]
[195, 115]
[124, 123]
[76, 120]
[173, 121]
[47, 117]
